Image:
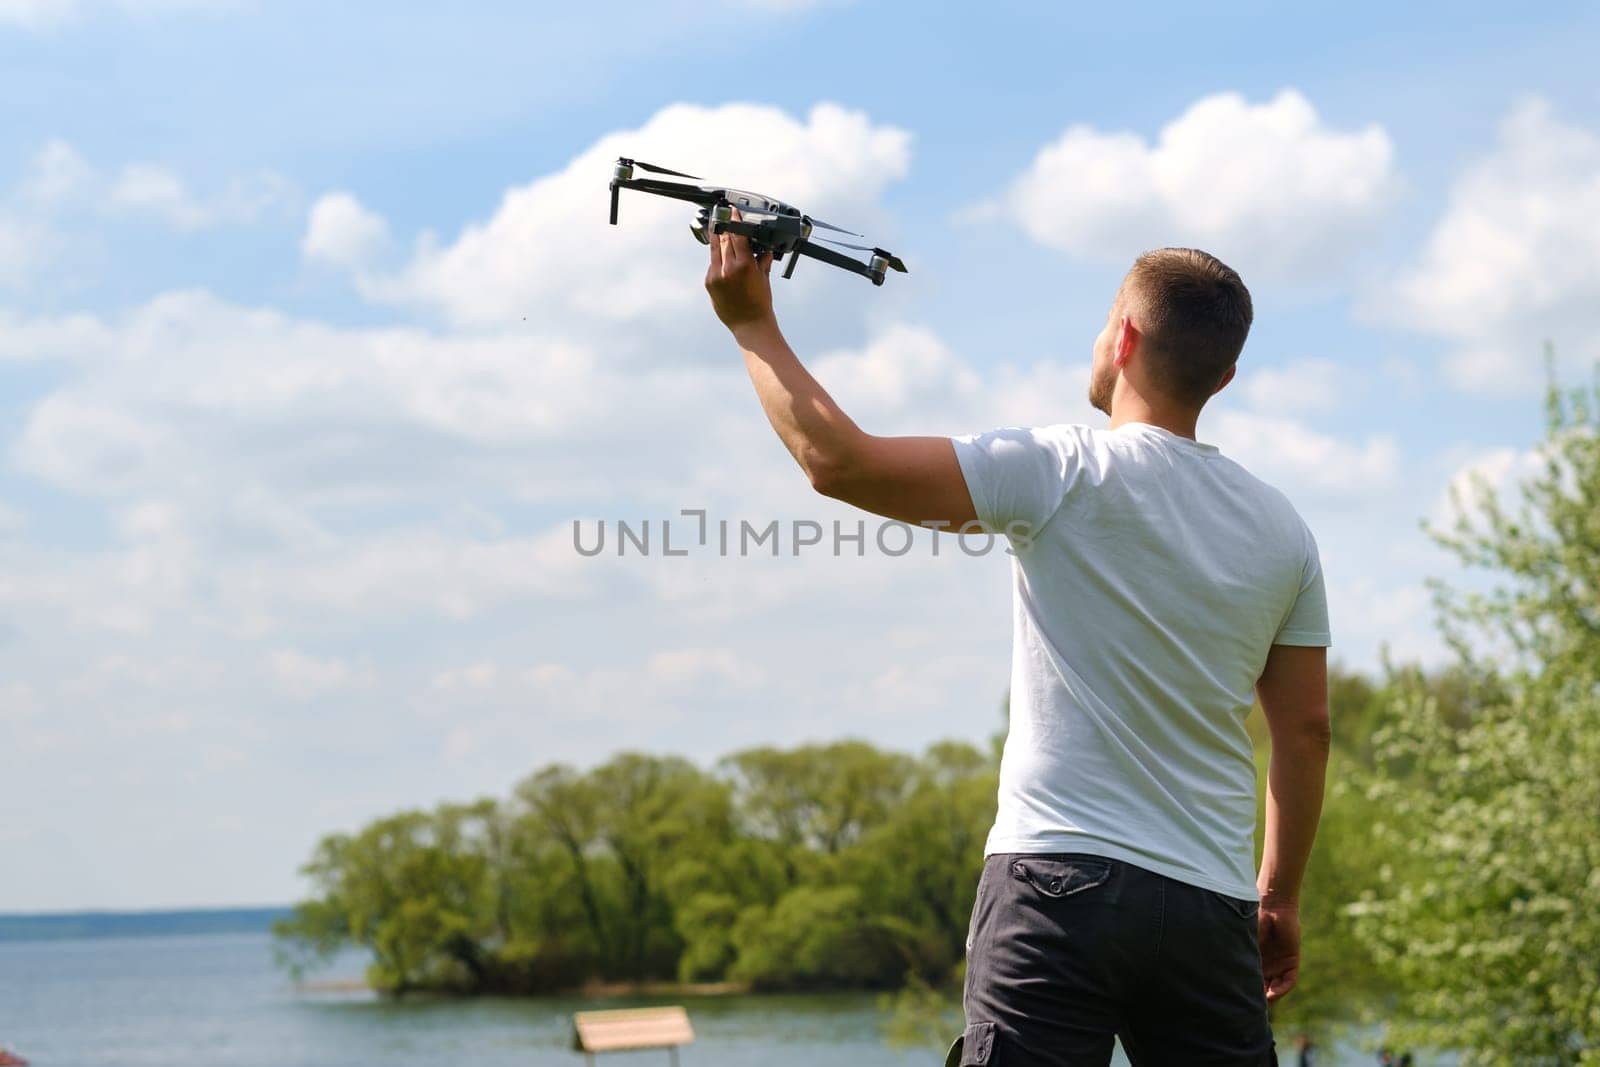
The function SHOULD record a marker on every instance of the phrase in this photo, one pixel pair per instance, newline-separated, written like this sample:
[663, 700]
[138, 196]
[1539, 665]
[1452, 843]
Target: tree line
[831, 865]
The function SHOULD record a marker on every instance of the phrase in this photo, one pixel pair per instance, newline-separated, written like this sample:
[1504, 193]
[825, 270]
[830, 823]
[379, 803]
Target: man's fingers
[738, 241]
[716, 256]
[764, 260]
[1279, 977]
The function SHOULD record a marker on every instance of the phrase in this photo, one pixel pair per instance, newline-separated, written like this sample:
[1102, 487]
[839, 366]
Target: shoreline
[592, 990]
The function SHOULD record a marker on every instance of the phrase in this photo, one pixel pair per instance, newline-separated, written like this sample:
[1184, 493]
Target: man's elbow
[1312, 732]
[828, 475]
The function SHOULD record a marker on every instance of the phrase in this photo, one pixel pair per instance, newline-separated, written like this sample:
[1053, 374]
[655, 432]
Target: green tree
[620, 830]
[821, 797]
[1492, 925]
[815, 937]
[416, 888]
[919, 868]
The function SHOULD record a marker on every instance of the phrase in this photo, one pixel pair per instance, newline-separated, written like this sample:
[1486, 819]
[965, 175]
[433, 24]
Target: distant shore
[173, 922]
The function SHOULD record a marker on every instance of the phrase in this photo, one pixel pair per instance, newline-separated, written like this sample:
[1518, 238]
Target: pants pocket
[1061, 876]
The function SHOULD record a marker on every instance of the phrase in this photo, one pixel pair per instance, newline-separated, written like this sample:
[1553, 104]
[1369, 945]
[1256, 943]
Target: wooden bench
[629, 1029]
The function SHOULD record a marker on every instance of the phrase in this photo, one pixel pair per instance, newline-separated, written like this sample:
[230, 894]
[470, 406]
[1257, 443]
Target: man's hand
[741, 291]
[1278, 931]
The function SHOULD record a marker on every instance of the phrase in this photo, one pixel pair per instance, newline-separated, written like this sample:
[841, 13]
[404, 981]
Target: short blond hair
[1195, 313]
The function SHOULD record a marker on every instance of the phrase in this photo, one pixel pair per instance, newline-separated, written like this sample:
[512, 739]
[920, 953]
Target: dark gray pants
[1066, 951]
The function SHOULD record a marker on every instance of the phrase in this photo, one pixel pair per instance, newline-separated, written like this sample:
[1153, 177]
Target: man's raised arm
[914, 479]
[1293, 689]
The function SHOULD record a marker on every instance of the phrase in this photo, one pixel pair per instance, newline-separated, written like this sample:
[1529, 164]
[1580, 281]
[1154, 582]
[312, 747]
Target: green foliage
[815, 936]
[705, 923]
[412, 887]
[1488, 914]
[826, 865]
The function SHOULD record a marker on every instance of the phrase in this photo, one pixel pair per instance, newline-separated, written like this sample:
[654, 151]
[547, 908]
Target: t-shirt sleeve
[1307, 621]
[1015, 475]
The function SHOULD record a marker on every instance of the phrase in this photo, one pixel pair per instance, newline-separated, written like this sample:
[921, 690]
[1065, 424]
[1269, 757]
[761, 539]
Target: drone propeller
[829, 226]
[653, 169]
[894, 260]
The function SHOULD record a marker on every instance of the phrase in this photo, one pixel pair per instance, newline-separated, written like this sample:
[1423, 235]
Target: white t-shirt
[1151, 576]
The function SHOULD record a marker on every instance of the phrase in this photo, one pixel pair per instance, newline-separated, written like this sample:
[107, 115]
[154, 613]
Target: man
[1158, 589]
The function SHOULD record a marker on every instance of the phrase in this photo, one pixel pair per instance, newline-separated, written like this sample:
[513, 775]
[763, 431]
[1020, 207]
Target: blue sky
[313, 344]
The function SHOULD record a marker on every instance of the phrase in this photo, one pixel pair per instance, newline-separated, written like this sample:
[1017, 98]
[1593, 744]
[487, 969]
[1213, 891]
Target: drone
[776, 227]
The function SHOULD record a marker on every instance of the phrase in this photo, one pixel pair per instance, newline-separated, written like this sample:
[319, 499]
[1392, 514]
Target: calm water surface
[218, 1001]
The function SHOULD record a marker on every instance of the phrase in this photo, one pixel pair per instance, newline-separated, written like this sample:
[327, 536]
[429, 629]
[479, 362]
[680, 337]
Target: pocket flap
[1061, 877]
[977, 1045]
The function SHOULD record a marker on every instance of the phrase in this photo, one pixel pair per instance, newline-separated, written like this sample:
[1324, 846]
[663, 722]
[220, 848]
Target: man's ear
[1226, 378]
[1128, 337]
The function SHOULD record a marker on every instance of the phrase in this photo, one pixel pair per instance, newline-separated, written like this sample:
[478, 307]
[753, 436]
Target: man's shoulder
[1062, 439]
[1268, 498]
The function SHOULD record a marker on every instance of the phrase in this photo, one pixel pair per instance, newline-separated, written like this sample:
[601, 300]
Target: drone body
[771, 225]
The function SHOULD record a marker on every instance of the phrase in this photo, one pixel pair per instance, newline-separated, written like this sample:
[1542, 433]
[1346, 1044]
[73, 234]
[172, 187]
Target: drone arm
[675, 190]
[837, 259]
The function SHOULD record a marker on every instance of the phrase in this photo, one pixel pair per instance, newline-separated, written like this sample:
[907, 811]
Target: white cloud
[488, 705]
[60, 184]
[1270, 188]
[689, 667]
[904, 370]
[143, 189]
[11, 521]
[341, 232]
[1291, 455]
[1496, 474]
[57, 173]
[546, 253]
[24, 246]
[40, 13]
[35, 12]
[66, 338]
[1302, 386]
[1394, 616]
[1514, 259]
[304, 676]
[52, 220]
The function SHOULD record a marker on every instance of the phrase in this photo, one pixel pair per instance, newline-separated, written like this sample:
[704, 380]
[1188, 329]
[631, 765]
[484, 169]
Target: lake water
[217, 1000]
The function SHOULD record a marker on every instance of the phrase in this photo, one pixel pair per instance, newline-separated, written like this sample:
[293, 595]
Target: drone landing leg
[794, 257]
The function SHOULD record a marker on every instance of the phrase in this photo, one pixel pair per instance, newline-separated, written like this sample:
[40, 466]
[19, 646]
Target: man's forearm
[1295, 779]
[816, 432]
